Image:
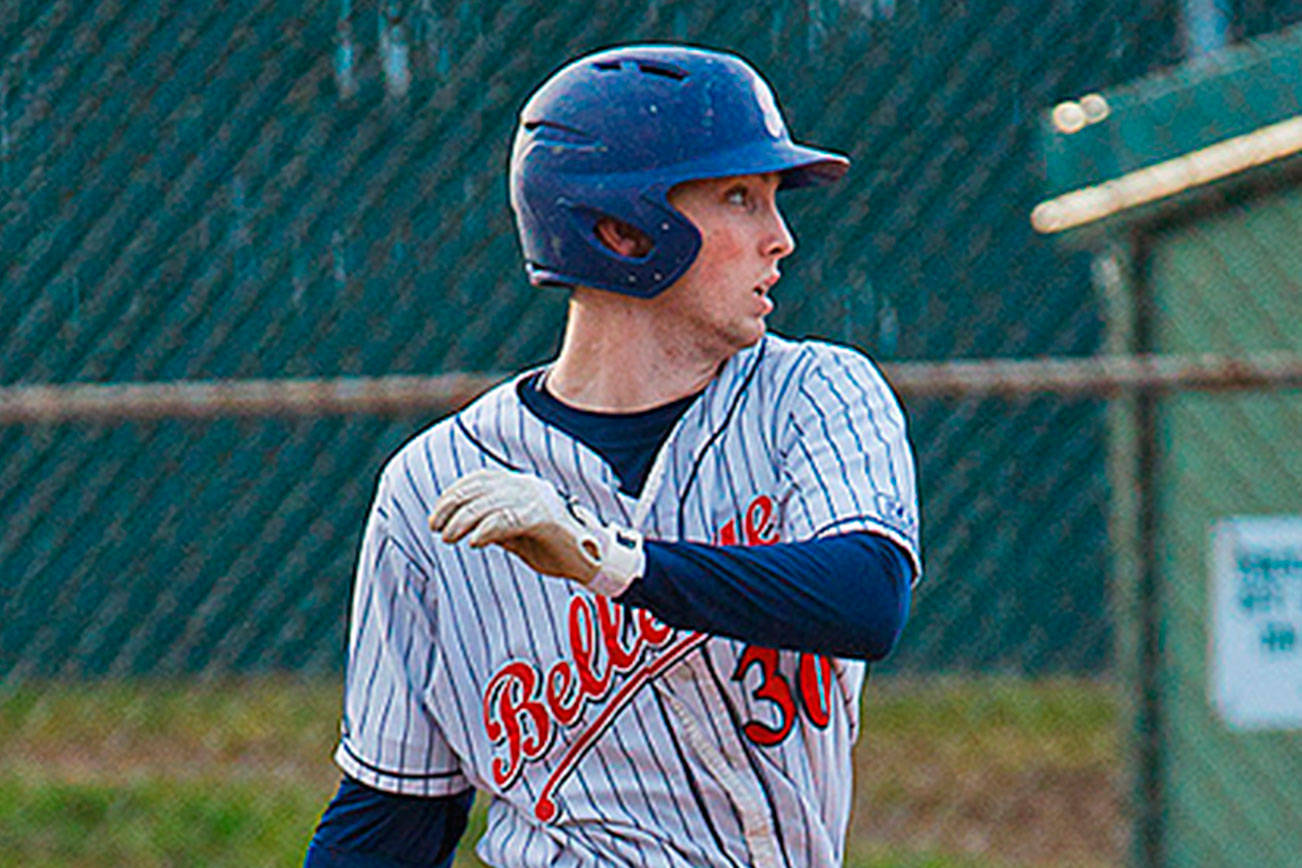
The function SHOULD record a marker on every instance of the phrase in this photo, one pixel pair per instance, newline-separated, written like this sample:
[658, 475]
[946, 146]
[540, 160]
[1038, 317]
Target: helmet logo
[769, 109]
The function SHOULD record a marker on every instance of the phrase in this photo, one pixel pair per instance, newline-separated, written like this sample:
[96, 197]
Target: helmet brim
[825, 167]
[798, 165]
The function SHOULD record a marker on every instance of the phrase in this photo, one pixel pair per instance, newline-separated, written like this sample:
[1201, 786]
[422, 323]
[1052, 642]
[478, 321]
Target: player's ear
[622, 238]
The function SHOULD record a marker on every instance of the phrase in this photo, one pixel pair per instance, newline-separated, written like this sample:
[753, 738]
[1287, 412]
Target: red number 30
[814, 684]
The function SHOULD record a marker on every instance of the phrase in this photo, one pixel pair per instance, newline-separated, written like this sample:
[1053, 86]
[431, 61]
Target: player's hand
[528, 517]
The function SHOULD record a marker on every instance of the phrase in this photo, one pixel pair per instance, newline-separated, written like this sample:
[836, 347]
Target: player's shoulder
[779, 350]
[788, 363]
[438, 454]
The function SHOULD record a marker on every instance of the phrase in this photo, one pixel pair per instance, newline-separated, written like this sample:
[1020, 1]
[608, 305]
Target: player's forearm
[846, 595]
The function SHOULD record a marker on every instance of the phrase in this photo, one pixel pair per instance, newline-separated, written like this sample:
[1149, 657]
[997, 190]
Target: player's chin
[748, 332]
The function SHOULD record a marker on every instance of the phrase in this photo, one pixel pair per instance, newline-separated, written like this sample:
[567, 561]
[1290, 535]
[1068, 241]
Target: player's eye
[738, 195]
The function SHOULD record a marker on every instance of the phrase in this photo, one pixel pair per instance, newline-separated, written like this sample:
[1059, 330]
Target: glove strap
[622, 562]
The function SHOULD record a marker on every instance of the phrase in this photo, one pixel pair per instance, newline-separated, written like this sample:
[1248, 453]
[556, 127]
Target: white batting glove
[528, 517]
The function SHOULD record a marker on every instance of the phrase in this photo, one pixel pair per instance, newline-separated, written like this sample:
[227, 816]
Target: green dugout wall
[1188, 187]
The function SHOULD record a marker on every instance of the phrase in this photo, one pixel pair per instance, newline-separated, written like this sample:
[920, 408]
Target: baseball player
[630, 596]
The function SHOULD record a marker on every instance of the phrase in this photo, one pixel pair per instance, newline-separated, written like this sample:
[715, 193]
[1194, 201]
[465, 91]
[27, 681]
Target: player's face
[723, 297]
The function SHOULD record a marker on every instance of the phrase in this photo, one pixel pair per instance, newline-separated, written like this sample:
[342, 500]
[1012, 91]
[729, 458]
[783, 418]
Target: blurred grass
[995, 770]
[952, 773]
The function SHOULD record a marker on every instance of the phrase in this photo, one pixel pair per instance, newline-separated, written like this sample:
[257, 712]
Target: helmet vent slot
[550, 131]
[650, 67]
[661, 69]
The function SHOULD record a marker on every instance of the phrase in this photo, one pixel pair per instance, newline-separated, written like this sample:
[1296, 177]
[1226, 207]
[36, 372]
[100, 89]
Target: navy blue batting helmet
[611, 133]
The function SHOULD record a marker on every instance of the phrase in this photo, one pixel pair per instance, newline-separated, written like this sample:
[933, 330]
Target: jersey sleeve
[845, 459]
[390, 739]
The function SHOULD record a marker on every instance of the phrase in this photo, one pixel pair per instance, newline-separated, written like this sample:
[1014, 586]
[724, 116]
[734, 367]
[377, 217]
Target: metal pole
[1206, 26]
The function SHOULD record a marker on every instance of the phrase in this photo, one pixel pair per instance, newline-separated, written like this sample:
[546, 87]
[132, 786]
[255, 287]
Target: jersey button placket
[741, 788]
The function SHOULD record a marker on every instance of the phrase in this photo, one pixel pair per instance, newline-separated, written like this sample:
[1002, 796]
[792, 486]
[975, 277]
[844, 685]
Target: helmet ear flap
[664, 245]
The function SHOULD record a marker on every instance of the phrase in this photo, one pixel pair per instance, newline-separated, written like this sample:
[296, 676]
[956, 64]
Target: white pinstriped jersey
[603, 736]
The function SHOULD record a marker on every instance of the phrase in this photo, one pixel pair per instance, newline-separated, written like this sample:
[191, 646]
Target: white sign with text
[1256, 631]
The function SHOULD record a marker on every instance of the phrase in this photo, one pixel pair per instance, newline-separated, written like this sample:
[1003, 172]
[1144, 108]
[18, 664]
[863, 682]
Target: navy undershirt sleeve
[845, 595]
[367, 828]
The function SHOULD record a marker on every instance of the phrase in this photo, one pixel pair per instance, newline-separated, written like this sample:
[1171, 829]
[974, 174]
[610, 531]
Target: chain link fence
[269, 190]
[285, 209]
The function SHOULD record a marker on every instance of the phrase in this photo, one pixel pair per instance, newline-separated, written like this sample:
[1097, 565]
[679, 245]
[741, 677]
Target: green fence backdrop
[309, 188]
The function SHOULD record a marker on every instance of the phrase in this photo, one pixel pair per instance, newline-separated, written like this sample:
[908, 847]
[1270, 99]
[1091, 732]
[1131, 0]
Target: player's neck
[616, 358]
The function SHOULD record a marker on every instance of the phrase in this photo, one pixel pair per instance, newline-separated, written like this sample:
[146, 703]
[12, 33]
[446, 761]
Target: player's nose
[778, 240]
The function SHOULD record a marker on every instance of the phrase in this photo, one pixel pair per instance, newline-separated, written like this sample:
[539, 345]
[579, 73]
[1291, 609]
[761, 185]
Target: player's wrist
[623, 561]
